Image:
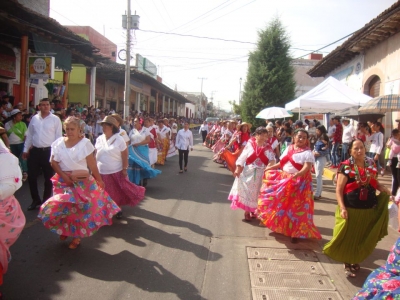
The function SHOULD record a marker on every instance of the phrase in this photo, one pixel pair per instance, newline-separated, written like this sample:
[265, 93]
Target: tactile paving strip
[282, 266]
[265, 294]
[281, 254]
[291, 281]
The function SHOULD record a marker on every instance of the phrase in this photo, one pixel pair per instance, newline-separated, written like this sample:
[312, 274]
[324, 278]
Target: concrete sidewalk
[282, 270]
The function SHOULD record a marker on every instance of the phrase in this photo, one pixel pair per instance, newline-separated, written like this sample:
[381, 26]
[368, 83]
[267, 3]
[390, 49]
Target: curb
[329, 173]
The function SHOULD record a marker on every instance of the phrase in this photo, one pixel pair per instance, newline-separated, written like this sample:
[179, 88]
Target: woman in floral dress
[12, 219]
[237, 143]
[79, 206]
[249, 171]
[384, 282]
[285, 203]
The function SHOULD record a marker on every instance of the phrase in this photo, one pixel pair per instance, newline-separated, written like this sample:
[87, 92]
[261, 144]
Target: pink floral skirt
[78, 210]
[12, 221]
[121, 190]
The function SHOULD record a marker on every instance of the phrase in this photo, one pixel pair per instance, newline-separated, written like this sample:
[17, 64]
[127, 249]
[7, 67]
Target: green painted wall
[78, 90]
[58, 75]
[79, 93]
[78, 75]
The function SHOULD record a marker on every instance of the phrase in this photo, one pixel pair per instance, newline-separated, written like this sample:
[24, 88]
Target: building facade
[369, 61]
[305, 82]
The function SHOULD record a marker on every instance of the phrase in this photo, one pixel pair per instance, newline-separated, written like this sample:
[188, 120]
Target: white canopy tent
[329, 96]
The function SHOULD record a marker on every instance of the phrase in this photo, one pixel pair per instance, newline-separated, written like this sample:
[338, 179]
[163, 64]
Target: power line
[166, 10]
[217, 8]
[162, 17]
[189, 21]
[327, 45]
[222, 16]
[64, 16]
[198, 37]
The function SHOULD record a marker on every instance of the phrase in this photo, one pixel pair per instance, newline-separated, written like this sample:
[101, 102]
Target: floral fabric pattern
[78, 210]
[245, 188]
[285, 205]
[384, 282]
[163, 151]
[12, 221]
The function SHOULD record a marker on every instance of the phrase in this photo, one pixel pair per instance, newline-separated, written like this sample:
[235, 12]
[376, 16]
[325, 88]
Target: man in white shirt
[204, 131]
[349, 134]
[43, 130]
[184, 140]
[331, 132]
[98, 129]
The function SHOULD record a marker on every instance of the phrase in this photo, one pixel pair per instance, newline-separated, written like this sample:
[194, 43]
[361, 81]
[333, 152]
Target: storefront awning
[61, 54]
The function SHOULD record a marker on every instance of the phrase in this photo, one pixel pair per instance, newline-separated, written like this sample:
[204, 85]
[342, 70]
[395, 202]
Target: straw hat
[118, 118]
[244, 123]
[110, 120]
[15, 111]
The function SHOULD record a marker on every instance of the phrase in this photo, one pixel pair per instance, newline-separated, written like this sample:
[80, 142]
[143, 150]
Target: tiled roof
[377, 30]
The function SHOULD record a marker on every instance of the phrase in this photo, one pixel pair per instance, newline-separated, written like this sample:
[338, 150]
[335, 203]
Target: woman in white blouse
[112, 162]
[122, 131]
[376, 140]
[12, 218]
[285, 202]
[139, 162]
[80, 205]
[250, 166]
[184, 140]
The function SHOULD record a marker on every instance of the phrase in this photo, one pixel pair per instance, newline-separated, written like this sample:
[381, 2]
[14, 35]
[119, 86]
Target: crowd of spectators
[91, 115]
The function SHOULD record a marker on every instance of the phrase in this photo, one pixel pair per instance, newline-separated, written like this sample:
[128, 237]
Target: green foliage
[236, 108]
[270, 76]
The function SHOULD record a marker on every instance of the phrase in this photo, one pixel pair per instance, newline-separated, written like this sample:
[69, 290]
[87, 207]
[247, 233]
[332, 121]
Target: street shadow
[199, 171]
[131, 230]
[320, 212]
[366, 267]
[147, 275]
[165, 220]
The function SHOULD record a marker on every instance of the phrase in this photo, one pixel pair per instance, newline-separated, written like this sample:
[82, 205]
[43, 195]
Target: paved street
[182, 242]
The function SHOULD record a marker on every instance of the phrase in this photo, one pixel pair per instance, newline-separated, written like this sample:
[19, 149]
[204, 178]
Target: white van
[212, 119]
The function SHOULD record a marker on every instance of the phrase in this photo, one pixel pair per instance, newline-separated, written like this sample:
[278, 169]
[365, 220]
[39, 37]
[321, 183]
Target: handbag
[387, 151]
[79, 175]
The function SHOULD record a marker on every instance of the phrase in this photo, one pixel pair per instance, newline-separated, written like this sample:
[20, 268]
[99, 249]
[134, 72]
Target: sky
[226, 30]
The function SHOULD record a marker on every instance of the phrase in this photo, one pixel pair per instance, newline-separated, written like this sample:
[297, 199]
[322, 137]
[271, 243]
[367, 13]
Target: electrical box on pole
[134, 22]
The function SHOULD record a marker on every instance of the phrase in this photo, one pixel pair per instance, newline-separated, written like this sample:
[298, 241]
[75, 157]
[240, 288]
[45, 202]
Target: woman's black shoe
[34, 205]
[144, 182]
[119, 215]
[294, 240]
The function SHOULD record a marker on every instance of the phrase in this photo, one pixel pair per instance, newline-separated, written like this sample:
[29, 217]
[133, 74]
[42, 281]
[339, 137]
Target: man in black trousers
[204, 130]
[43, 130]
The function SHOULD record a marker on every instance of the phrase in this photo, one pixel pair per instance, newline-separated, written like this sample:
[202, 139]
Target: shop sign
[7, 66]
[41, 67]
[319, 117]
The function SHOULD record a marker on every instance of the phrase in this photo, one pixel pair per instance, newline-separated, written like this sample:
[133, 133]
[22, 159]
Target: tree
[235, 108]
[270, 75]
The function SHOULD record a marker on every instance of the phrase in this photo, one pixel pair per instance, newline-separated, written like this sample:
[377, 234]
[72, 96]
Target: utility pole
[201, 92]
[212, 95]
[128, 60]
[240, 90]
